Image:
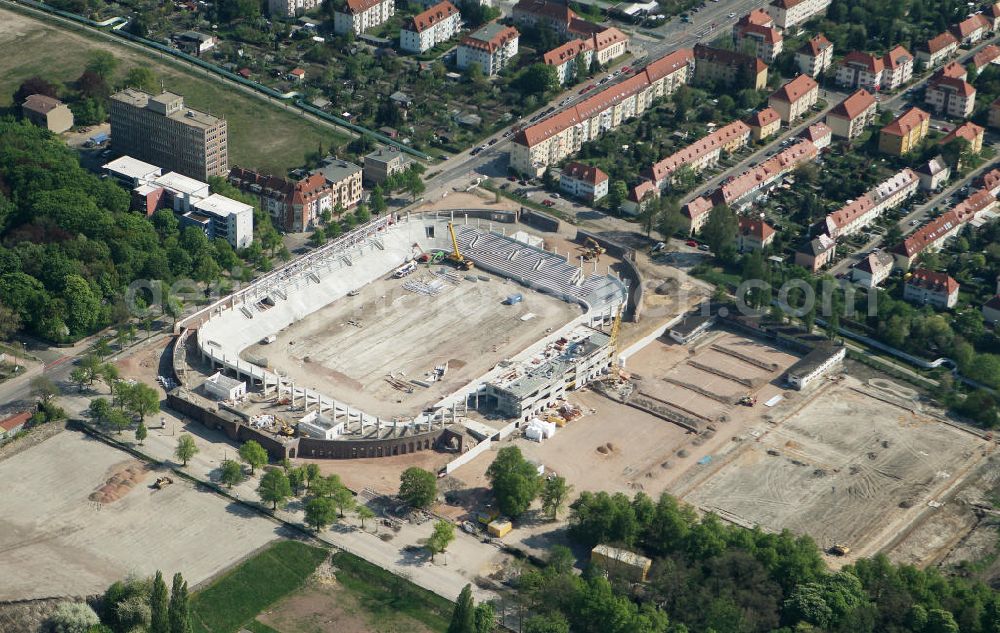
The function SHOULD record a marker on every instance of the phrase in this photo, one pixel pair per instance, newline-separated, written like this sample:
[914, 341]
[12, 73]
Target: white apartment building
[568, 57]
[491, 47]
[228, 219]
[609, 44]
[290, 8]
[861, 70]
[951, 95]
[815, 56]
[360, 15]
[426, 30]
[788, 14]
[937, 49]
[562, 134]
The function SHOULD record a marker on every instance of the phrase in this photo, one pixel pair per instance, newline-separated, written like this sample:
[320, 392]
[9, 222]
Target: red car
[625, 69]
[587, 89]
[548, 203]
[692, 243]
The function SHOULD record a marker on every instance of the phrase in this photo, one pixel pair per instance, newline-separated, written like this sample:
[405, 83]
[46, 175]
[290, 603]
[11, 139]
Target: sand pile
[120, 483]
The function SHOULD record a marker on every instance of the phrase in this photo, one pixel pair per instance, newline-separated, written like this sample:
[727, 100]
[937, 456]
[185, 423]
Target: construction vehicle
[162, 482]
[286, 429]
[456, 257]
[592, 251]
[747, 401]
[840, 550]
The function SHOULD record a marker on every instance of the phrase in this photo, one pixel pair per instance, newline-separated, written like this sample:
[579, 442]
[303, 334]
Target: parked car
[548, 203]
[691, 243]
[703, 247]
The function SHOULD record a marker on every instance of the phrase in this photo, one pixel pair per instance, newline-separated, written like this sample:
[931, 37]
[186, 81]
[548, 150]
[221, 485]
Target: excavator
[592, 251]
[456, 257]
[747, 400]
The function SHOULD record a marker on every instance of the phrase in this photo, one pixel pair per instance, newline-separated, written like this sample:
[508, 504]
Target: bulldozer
[162, 482]
[456, 257]
[592, 251]
[747, 401]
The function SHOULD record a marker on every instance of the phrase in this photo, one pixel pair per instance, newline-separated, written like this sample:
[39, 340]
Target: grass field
[260, 135]
[234, 599]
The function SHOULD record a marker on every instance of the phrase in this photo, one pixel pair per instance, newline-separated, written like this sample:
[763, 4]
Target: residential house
[861, 212]
[551, 140]
[12, 425]
[934, 234]
[701, 154]
[993, 15]
[382, 163]
[753, 234]
[695, 214]
[552, 13]
[989, 55]
[788, 14]
[297, 74]
[816, 253]
[490, 48]
[609, 44]
[764, 123]
[991, 310]
[569, 58]
[429, 28]
[937, 49]
[795, 98]
[815, 56]
[754, 34]
[954, 70]
[970, 132]
[717, 65]
[873, 269]
[933, 174]
[905, 132]
[290, 8]
[951, 96]
[994, 116]
[640, 197]
[820, 134]
[358, 16]
[972, 29]
[583, 181]
[862, 70]
[294, 206]
[195, 43]
[851, 116]
[344, 179]
[990, 181]
[741, 190]
[929, 287]
[47, 112]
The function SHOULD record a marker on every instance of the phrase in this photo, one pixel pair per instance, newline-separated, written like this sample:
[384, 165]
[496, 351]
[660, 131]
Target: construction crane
[456, 257]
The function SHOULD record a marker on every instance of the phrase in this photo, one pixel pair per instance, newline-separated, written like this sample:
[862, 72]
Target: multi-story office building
[161, 130]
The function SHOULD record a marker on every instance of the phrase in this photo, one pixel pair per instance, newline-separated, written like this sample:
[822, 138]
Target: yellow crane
[616, 327]
[456, 257]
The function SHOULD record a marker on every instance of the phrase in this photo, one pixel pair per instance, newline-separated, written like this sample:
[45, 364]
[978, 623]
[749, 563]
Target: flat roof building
[815, 364]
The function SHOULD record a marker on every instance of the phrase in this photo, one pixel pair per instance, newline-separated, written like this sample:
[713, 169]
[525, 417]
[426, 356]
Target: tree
[108, 374]
[231, 473]
[554, 622]
[617, 195]
[514, 480]
[320, 512]
[117, 420]
[186, 448]
[463, 618]
[274, 488]
[343, 499]
[418, 487]
[377, 201]
[10, 322]
[441, 537]
[318, 237]
[43, 389]
[178, 612]
[365, 513]
[536, 79]
[141, 433]
[98, 409]
[79, 376]
[159, 605]
[253, 454]
[486, 618]
[34, 86]
[296, 479]
[554, 495]
[83, 308]
[141, 400]
[74, 617]
[720, 230]
[143, 78]
[412, 182]
[312, 474]
[102, 64]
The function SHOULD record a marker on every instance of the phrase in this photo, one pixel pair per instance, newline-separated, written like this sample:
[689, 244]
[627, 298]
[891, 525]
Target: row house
[491, 48]
[695, 214]
[569, 58]
[972, 29]
[754, 34]
[702, 154]
[551, 140]
[795, 98]
[764, 123]
[583, 181]
[358, 16]
[862, 70]
[850, 117]
[429, 28]
[932, 236]
[741, 190]
[905, 132]
[858, 214]
[788, 14]
[951, 96]
[728, 67]
[640, 197]
[970, 132]
[873, 269]
[753, 234]
[927, 287]
[815, 56]
[989, 55]
[937, 49]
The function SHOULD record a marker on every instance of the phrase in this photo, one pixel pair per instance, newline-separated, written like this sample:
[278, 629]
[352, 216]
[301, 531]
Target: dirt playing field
[849, 467]
[348, 348]
[56, 541]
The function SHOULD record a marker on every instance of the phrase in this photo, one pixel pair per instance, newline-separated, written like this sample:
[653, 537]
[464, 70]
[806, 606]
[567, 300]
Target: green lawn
[261, 135]
[235, 599]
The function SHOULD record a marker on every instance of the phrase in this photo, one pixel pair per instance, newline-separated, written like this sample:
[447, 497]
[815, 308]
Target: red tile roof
[768, 34]
[756, 228]
[896, 57]
[933, 281]
[562, 54]
[41, 104]
[360, 6]
[940, 42]
[499, 39]
[585, 173]
[958, 215]
[906, 122]
[695, 151]
[795, 89]
[696, 208]
[970, 25]
[766, 172]
[961, 87]
[14, 421]
[988, 55]
[816, 45]
[954, 70]
[642, 191]
[854, 106]
[764, 117]
[546, 10]
[866, 61]
[817, 132]
[432, 16]
[968, 130]
[758, 17]
[608, 37]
